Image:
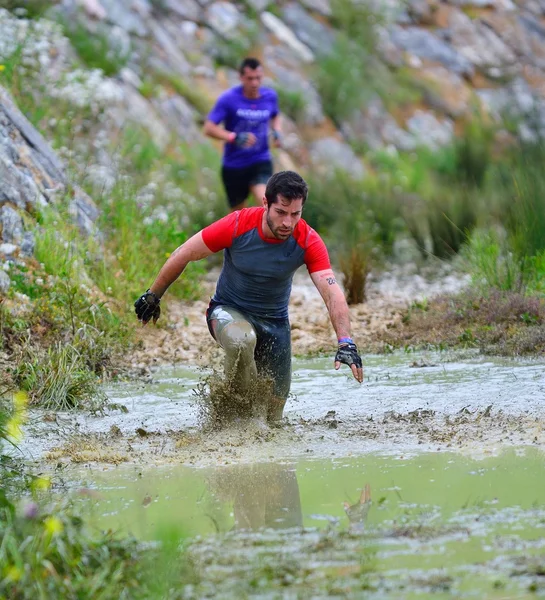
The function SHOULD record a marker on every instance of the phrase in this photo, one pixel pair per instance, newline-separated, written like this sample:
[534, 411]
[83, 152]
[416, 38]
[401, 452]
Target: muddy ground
[183, 337]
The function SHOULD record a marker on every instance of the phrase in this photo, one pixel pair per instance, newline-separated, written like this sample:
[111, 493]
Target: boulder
[180, 117]
[5, 282]
[12, 225]
[284, 34]
[427, 46]
[430, 131]
[480, 45]
[310, 31]
[322, 7]
[28, 244]
[169, 51]
[375, 127]
[259, 5]
[186, 9]
[130, 15]
[224, 18]
[84, 212]
[294, 81]
[331, 154]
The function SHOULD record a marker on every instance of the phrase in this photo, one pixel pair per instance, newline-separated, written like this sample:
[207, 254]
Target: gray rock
[224, 18]
[283, 33]
[48, 158]
[497, 4]
[180, 117]
[311, 32]
[320, 6]
[28, 244]
[187, 9]
[332, 154]
[429, 131]
[479, 44]
[84, 212]
[172, 54]
[5, 282]
[426, 45]
[294, 81]
[128, 14]
[137, 109]
[8, 249]
[376, 128]
[259, 5]
[12, 225]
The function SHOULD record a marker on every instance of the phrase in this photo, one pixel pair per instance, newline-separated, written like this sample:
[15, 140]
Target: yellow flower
[42, 483]
[2, 68]
[13, 573]
[167, 254]
[53, 525]
[20, 399]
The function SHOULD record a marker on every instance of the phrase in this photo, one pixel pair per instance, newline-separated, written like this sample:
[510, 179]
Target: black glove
[348, 354]
[276, 136]
[147, 307]
[241, 139]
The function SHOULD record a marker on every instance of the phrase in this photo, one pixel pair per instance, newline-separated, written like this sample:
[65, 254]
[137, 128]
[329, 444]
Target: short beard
[269, 223]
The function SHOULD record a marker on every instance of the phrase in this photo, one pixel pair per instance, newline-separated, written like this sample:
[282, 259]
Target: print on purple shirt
[240, 114]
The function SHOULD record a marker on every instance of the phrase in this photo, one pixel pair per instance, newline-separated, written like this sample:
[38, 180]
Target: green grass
[291, 102]
[33, 9]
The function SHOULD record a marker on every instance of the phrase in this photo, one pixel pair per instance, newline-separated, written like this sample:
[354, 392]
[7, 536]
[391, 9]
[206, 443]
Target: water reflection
[262, 495]
[266, 495]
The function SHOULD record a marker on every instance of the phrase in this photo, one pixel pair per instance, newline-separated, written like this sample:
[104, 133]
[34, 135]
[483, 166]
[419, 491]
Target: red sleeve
[220, 234]
[316, 255]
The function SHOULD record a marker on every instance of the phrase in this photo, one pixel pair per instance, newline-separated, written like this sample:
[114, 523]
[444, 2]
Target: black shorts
[237, 182]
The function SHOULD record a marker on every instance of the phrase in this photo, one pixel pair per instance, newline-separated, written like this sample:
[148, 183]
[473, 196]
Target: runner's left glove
[348, 354]
[147, 307]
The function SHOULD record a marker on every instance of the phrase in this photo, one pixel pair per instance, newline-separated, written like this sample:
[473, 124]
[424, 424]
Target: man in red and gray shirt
[248, 314]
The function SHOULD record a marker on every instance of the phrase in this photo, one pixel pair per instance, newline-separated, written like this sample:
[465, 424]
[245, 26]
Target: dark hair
[288, 184]
[250, 63]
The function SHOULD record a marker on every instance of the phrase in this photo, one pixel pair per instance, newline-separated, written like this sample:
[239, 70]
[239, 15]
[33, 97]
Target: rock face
[31, 177]
[463, 54]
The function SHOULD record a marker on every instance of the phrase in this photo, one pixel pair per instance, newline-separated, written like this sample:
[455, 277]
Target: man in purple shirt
[246, 111]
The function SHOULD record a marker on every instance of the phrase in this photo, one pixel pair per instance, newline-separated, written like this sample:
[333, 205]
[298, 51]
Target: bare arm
[334, 300]
[216, 131]
[337, 308]
[276, 124]
[193, 249]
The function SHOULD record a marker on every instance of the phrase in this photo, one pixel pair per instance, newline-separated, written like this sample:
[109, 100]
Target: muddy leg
[238, 338]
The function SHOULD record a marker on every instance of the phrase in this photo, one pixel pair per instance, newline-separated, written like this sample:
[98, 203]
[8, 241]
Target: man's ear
[264, 202]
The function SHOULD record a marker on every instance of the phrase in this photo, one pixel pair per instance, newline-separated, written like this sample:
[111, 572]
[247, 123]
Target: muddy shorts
[237, 182]
[273, 348]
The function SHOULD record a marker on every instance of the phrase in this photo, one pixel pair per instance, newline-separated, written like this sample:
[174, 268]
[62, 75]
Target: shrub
[291, 102]
[491, 262]
[59, 380]
[355, 266]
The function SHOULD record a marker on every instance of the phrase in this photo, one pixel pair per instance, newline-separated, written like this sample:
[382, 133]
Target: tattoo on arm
[331, 280]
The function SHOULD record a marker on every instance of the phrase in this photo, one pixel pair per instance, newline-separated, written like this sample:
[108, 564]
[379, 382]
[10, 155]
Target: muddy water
[432, 525]
[426, 481]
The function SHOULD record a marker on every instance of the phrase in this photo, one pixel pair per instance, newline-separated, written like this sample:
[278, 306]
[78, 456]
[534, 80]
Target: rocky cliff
[89, 70]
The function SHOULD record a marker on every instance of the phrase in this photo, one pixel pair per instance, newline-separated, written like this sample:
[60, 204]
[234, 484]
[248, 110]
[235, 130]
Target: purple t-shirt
[239, 114]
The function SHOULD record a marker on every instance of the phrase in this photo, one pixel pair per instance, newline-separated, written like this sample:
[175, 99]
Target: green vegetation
[95, 49]
[350, 74]
[291, 102]
[30, 9]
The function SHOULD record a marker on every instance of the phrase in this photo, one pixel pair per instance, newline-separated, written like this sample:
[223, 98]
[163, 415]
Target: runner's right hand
[245, 139]
[147, 307]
